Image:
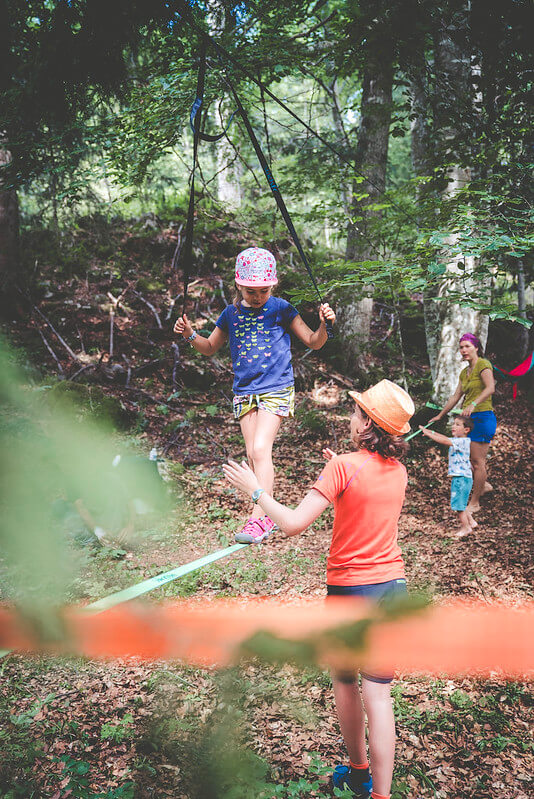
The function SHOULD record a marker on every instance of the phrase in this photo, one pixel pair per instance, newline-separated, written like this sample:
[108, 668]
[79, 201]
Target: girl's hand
[424, 431]
[328, 453]
[183, 327]
[241, 476]
[326, 314]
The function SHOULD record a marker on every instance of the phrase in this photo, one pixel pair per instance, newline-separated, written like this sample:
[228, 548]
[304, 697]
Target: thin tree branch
[58, 335]
[176, 363]
[50, 350]
[149, 304]
[111, 327]
[129, 373]
[320, 24]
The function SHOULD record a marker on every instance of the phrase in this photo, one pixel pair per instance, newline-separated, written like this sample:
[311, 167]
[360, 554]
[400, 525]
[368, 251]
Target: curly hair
[375, 439]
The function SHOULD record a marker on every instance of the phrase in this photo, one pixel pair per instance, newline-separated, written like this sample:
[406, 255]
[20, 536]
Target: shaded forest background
[415, 190]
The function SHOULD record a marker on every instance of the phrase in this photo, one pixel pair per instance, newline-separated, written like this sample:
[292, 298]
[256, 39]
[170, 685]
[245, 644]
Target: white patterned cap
[255, 267]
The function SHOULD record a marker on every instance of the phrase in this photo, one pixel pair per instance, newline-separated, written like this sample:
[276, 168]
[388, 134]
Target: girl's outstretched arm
[291, 521]
[313, 339]
[206, 346]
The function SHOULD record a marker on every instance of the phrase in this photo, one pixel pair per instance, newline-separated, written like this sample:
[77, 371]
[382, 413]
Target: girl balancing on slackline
[476, 385]
[367, 488]
[257, 326]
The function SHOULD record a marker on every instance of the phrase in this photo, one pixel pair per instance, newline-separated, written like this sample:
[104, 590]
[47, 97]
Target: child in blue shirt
[459, 468]
[257, 327]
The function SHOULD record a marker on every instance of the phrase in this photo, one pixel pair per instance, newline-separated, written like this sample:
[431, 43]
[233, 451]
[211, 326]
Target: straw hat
[387, 404]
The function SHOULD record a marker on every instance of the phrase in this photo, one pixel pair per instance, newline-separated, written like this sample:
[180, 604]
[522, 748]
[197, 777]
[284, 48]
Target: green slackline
[138, 589]
[416, 432]
[437, 408]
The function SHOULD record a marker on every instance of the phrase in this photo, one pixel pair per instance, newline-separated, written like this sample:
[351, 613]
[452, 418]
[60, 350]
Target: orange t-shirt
[368, 492]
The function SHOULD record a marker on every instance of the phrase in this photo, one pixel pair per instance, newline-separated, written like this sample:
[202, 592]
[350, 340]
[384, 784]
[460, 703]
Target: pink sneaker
[254, 532]
[268, 524]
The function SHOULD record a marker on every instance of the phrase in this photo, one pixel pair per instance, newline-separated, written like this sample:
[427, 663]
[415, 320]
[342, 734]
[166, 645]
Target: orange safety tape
[454, 639]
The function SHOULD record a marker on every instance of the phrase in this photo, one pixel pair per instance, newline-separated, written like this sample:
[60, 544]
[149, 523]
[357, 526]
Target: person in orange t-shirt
[367, 488]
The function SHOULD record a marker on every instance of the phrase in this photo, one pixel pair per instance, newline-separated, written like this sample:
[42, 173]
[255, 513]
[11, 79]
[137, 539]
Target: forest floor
[75, 728]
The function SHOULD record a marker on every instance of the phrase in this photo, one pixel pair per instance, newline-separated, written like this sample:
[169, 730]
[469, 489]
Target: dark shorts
[379, 592]
[485, 426]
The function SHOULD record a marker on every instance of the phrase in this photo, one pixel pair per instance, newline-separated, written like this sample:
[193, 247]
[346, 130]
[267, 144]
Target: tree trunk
[522, 309]
[420, 115]
[221, 19]
[229, 168]
[444, 321]
[9, 241]
[354, 317]
[337, 118]
[421, 163]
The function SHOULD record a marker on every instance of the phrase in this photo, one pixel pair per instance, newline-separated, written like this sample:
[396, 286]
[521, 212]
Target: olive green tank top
[472, 385]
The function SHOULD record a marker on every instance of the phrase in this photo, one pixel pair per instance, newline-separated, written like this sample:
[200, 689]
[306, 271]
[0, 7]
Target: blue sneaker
[358, 781]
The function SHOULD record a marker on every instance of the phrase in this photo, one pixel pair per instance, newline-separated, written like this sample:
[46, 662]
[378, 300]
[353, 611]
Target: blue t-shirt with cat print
[260, 345]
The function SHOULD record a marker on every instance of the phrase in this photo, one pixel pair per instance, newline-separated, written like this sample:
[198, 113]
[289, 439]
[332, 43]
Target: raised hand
[328, 453]
[241, 476]
[183, 327]
[326, 314]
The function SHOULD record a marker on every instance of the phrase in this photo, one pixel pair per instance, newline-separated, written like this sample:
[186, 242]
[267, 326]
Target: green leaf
[435, 268]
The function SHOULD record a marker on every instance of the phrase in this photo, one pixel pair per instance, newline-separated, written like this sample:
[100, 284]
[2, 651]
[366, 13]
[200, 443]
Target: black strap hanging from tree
[195, 120]
[277, 196]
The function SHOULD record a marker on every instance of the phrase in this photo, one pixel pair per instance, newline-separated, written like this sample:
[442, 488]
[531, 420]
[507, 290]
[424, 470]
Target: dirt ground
[155, 726]
[72, 728]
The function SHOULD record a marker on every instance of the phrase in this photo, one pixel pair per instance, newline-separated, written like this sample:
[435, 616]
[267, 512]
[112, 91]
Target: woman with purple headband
[476, 385]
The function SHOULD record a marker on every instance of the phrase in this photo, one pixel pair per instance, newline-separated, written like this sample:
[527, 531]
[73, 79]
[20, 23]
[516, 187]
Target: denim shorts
[281, 402]
[460, 490]
[485, 426]
[378, 592]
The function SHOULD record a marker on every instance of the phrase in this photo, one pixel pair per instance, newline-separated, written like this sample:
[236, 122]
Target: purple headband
[472, 338]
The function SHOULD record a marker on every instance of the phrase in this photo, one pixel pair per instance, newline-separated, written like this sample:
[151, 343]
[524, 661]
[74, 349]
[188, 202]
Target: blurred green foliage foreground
[61, 480]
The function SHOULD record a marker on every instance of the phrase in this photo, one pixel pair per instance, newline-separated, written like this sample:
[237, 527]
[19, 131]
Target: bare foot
[472, 522]
[487, 488]
[462, 532]
[473, 508]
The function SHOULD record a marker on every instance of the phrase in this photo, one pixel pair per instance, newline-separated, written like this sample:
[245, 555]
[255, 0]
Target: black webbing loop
[277, 196]
[195, 118]
[207, 136]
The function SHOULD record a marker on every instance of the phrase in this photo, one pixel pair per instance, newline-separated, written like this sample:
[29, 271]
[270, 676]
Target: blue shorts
[379, 592]
[460, 490]
[485, 426]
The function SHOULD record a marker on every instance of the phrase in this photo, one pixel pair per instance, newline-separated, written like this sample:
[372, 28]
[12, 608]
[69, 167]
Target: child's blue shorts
[485, 426]
[377, 592]
[460, 490]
